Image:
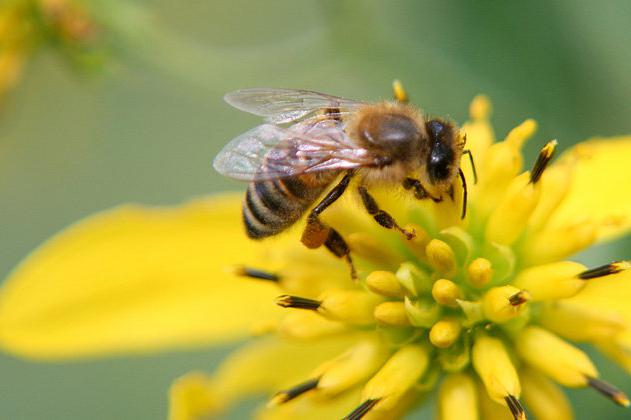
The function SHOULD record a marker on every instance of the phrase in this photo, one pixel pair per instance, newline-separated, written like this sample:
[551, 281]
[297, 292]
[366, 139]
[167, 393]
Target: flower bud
[351, 367]
[509, 218]
[480, 272]
[501, 304]
[457, 399]
[351, 306]
[391, 313]
[552, 281]
[445, 332]
[384, 283]
[493, 365]
[446, 293]
[441, 257]
[397, 376]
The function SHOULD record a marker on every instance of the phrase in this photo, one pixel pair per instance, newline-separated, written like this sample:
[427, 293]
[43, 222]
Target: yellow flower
[487, 309]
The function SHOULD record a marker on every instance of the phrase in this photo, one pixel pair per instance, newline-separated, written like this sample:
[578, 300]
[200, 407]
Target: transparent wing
[269, 151]
[280, 106]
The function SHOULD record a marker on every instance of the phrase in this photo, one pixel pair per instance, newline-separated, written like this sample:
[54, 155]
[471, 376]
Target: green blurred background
[146, 126]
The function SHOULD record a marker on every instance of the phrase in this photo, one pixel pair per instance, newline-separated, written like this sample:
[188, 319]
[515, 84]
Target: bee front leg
[419, 191]
[380, 216]
[317, 233]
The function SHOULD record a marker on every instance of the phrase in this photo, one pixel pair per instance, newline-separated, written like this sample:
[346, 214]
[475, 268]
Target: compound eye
[441, 155]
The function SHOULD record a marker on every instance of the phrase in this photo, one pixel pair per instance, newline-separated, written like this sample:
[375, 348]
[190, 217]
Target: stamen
[288, 301]
[293, 392]
[605, 270]
[361, 410]
[519, 298]
[515, 407]
[609, 391]
[254, 273]
[543, 159]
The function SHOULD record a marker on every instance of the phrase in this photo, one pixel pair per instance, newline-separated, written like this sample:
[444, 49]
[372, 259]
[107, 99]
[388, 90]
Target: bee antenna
[464, 193]
[475, 173]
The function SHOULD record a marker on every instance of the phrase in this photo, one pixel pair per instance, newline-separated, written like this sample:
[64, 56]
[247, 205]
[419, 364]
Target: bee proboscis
[310, 139]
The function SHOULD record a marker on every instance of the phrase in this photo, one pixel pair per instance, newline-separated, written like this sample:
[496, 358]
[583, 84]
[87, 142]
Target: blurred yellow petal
[136, 279]
[600, 189]
[259, 367]
[313, 407]
[608, 295]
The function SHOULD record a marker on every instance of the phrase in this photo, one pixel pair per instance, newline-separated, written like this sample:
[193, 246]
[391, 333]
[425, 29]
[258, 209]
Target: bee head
[443, 151]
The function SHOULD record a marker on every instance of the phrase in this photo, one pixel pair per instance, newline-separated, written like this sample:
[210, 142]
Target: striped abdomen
[274, 205]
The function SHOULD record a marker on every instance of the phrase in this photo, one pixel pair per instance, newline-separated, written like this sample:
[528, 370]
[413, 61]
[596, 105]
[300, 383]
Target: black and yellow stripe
[274, 205]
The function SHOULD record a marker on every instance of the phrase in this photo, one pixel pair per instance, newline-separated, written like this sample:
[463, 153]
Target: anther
[519, 298]
[605, 270]
[288, 301]
[362, 409]
[254, 273]
[293, 392]
[515, 407]
[609, 391]
[545, 155]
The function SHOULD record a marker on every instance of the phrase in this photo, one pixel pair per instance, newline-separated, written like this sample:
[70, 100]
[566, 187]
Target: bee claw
[409, 235]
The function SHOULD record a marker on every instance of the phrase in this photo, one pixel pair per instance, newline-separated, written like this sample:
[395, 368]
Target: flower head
[488, 309]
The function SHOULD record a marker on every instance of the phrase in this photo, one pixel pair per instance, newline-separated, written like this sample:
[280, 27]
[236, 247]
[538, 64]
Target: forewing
[280, 106]
[269, 151]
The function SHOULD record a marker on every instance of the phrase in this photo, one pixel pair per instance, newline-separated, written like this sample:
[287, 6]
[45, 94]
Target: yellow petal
[609, 295]
[543, 397]
[136, 279]
[478, 130]
[600, 189]
[262, 366]
[312, 407]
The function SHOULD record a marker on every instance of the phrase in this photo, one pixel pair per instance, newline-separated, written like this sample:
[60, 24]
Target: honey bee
[311, 139]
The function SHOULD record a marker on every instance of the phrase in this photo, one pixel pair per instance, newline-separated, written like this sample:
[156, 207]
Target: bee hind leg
[317, 233]
[380, 216]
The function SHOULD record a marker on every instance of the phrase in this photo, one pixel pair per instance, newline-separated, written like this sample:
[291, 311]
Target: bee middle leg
[317, 233]
[380, 216]
[419, 191]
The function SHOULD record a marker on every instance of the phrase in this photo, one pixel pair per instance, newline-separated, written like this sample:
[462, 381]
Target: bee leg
[338, 246]
[317, 233]
[383, 218]
[420, 192]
